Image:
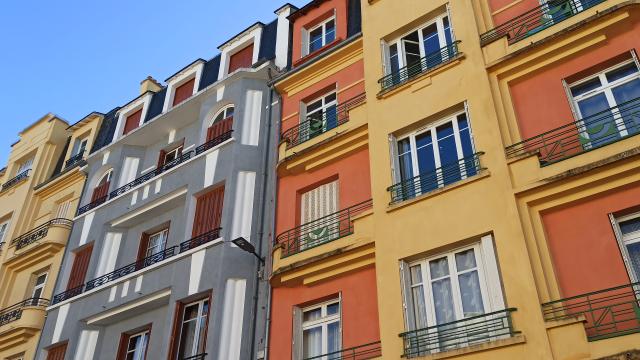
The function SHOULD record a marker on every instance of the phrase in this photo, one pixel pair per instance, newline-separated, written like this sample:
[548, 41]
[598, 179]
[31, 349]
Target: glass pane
[315, 39]
[312, 342]
[419, 307]
[426, 163]
[448, 154]
[333, 337]
[229, 111]
[439, 268]
[187, 339]
[447, 30]
[202, 331]
[634, 255]
[465, 260]
[314, 106]
[404, 158]
[586, 87]
[431, 41]
[443, 301]
[394, 62]
[333, 309]
[416, 275]
[599, 125]
[465, 135]
[411, 45]
[40, 280]
[330, 34]
[627, 92]
[629, 226]
[331, 117]
[191, 312]
[471, 295]
[622, 72]
[312, 315]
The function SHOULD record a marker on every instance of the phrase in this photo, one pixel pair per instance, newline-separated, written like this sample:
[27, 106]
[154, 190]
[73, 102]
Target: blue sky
[71, 57]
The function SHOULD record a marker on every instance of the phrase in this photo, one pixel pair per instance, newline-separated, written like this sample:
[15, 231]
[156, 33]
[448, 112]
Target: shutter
[144, 245]
[57, 352]
[208, 212]
[319, 202]
[409, 316]
[132, 122]
[100, 191]
[175, 330]
[305, 43]
[161, 157]
[80, 267]
[183, 92]
[492, 273]
[296, 345]
[122, 347]
[63, 210]
[220, 128]
[241, 59]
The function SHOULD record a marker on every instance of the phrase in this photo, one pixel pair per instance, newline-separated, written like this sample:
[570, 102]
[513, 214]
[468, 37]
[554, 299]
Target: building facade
[175, 175]
[40, 192]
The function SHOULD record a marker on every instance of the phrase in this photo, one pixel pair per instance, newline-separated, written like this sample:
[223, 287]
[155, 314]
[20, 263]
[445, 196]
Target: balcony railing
[598, 130]
[74, 160]
[213, 142]
[14, 312]
[608, 313]
[459, 334]
[39, 232]
[537, 19]
[139, 265]
[362, 352]
[16, 180]
[426, 64]
[321, 231]
[441, 177]
[320, 123]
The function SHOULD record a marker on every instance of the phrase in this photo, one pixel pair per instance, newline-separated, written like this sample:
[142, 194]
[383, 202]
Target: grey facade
[120, 294]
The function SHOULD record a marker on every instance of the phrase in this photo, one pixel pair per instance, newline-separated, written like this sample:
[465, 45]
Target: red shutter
[122, 348]
[100, 191]
[57, 352]
[183, 92]
[80, 267]
[175, 331]
[144, 245]
[133, 121]
[208, 211]
[220, 128]
[241, 59]
[161, 158]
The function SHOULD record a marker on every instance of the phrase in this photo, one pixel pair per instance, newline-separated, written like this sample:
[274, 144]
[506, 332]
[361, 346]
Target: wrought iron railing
[92, 205]
[459, 334]
[74, 160]
[39, 232]
[608, 313]
[14, 312]
[427, 63]
[320, 231]
[321, 122]
[196, 357]
[213, 142]
[441, 177]
[537, 19]
[16, 180]
[139, 265]
[362, 352]
[589, 133]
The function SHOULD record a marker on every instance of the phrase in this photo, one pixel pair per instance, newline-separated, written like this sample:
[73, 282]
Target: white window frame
[324, 321]
[605, 88]
[193, 71]
[438, 20]
[145, 342]
[163, 235]
[4, 228]
[108, 174]
[241, 41]
[306, 35]
[80, 145]
[624, 240]
[196, 340]
[176, 152]
[25, 165]
[324, 105]
[224, 111]
[37, 286]
[140, 103]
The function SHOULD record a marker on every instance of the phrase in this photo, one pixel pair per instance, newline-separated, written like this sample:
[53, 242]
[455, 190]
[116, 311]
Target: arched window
[222, 124]
[102, 188]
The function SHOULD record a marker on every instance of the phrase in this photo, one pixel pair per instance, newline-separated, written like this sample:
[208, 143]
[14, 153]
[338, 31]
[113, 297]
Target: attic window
[183, 92]
[319, 36]
[132, 122]
[241, 59]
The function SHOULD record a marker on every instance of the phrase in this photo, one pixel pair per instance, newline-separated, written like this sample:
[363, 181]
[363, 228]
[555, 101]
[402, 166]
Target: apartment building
[41, 188]
[324, 301]
[175, 176]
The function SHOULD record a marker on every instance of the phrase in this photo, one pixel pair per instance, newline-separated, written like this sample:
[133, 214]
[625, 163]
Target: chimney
[149, 84]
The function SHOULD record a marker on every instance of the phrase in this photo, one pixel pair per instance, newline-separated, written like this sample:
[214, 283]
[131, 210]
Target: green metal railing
[362, 352]
[609, 313]
[459, 334]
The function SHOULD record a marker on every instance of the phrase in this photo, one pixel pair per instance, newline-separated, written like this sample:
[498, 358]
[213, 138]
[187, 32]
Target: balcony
[608, 313]
[139, 265]
[575, 138]
[362, 352]
[426, 64]
[459, 334]
[41, 232]
[74, 160]
[16, 180]
[431, 181]
[320, 123]
[26, 312]
[324, 230]
[154, 173]
[537, 19]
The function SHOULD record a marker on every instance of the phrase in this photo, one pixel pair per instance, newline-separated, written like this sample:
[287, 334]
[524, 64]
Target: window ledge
[309, 56]
[518, 339]
[481, 175]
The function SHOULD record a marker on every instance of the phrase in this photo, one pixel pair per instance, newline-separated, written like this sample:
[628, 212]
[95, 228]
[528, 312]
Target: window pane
[439, 268]
[191, 312]
[187, 339]
[622, 72]
[333, 337]
[470, 292]
[203, 330]
[629, 226]
[443, 301]
[585, 87]
[465, 135]
[634, 255]
[416, 275]
[315, 39]
[447, 30]
[426, 163]
[431, 41]
[600, 129]
[330, 34]
[333, 309]
[331, 117]
[411, 45]
[314, 106]
[406, 169]
[627, 92]
[419, 307]
[312, 315]
[312, 342]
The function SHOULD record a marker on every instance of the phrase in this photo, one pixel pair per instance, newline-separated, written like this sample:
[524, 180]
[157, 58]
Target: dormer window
[80, 146]
[319, 36]
[184, 91]
[241, 59]
[25, 166]
[132, 122]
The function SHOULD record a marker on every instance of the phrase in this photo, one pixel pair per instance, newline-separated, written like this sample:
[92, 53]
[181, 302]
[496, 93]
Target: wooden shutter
[175, 330]
[219, 128]
[100, 191]
[319, 202]
[241, 59]
[122, 347]
[183, 92]
[57, 352]
[144, 245]
[80, 267]
[163, 153]
[132, 122]
[208, 211]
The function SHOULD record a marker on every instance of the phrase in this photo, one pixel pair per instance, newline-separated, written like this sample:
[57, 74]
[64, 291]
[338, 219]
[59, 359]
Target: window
[629, 231]
[101, 190]
[152, 244]
[601, 101]
[169, 158]
[435, 156]
[319, 36]
[208, 211]
[193, 328]
[241, 59]
[322, 115]
[38, 286]
[222, 123]
[134, 346]
[63, 209]
[132, 122]
[57, 352]
[25, 166]
[79, 267]
[183, 92]
[558, 10]
[321, 330]
[428, 43]
[79, 146]
[4, 228]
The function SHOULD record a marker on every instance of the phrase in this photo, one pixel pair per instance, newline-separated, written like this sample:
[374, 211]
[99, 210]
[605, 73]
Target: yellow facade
[38, 207]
